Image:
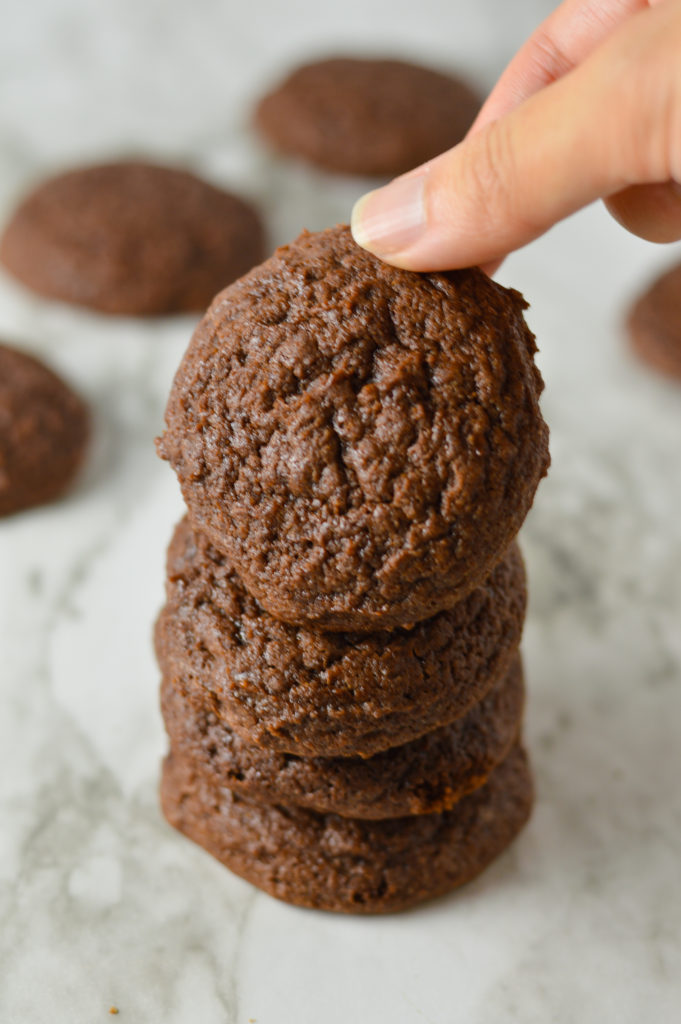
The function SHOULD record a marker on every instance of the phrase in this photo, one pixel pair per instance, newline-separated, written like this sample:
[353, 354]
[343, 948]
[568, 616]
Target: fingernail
[392, 218]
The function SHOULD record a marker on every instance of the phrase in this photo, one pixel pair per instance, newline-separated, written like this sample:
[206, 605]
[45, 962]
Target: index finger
[561, 42]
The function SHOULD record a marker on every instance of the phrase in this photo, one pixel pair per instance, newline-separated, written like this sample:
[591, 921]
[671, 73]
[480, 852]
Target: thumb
[610, 124]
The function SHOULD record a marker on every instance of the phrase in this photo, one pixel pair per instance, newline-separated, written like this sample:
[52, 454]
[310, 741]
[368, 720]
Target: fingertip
[357, 224]
[389, 220]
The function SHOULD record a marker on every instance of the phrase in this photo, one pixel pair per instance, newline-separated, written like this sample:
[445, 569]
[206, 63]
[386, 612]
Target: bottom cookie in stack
[329, 862]
[361, 835]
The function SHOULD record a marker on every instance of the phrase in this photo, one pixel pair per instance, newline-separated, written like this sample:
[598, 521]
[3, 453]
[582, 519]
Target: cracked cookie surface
[362, 442]
[295, 689]
[429, 774]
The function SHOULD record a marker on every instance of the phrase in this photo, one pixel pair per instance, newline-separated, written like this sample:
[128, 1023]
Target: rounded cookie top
[428, 774]
[362, 442]
[359, 116]
[131, 238]
[655, 324]
[44, 428]
[298, 690]
[348, 864]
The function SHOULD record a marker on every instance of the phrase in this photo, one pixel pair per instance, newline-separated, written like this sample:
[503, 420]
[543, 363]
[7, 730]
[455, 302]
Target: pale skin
[589, 108]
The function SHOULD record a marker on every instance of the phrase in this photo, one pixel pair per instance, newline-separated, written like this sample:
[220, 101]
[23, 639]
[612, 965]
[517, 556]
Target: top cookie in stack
[361, 442]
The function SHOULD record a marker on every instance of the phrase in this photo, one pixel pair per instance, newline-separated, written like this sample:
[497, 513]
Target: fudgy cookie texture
[44, 429]
[345, 864]
[429, 774]
[359, 116]
[131, 238]
[362, 442]
[655, 324]
[297, 690]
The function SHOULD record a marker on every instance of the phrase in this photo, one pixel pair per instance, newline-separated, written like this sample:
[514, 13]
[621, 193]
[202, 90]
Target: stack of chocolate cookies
[357, 447]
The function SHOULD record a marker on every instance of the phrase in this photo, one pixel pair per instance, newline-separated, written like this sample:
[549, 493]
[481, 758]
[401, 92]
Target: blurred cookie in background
[654, 324]
[366, 116]
[44, 430]
[131, 238]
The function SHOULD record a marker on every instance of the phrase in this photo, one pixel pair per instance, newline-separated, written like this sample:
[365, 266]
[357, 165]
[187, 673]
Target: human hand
[590, 108]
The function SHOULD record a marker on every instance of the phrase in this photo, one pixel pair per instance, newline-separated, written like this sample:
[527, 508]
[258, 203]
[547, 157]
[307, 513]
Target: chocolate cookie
[429, 774]
[358, 116]
[44, 428]
[655, 324]
[131, 238]
[333, 863]
[362, 442]
[300, 691]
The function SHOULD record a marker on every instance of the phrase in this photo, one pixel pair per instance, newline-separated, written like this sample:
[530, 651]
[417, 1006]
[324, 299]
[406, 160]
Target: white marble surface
[101, 903]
